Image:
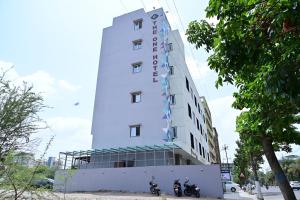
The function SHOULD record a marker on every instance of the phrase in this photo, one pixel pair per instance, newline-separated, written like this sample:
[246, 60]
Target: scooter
[154, 189]
[177, 188]
[190, 190]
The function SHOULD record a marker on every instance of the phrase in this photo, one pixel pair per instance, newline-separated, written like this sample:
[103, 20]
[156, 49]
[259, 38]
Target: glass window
[187, 84]
[171, 72]
[196, 142]
[196, 103]
[192, 93]
[136, 67]
[200, 149]
[190, 111]
[203, 152]
[172, 99]
[201, 129]
[136, 97]
[138, 24]
[174, 131]
[170, 47]
[198, 127]
[137, 44]
[198, 108]
[192, 140]
[135, 130]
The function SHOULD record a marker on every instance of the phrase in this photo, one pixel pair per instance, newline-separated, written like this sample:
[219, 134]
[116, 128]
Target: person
[267, 186]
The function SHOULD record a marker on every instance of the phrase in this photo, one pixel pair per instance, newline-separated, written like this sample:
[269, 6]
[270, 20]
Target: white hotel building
[147, 109]
[145, 94]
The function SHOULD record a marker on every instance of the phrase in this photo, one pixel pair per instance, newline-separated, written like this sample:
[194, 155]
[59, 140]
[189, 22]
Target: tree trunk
[285, 188]
[257, 184]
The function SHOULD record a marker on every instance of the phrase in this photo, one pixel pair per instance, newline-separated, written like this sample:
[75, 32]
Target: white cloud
[42, 81]
[198, 70]
[70, 134]
[65, 85]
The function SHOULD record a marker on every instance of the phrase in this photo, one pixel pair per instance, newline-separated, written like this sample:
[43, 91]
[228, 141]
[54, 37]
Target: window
[192, 140]
[192, 94]
[203, 152]
[208, 157]
[137, 44]
[171, 72]
[138, 24]
[205, 137]
[201, 129]
[200, 149]
[136, 97]
[172, 99]
[187, 84]
[196, 142]
[195, 101]
[198, 108]
[198, 127]
[135, 130]
[136, 67]
[174, 132]
[170, 47]
[190, 111]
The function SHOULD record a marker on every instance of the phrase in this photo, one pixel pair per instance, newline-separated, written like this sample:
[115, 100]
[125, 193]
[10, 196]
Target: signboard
[225, 175]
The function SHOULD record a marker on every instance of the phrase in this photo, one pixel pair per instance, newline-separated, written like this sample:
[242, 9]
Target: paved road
[273, 193]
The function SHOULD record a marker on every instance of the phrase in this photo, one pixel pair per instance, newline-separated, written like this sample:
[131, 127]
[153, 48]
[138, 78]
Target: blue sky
[55, 45]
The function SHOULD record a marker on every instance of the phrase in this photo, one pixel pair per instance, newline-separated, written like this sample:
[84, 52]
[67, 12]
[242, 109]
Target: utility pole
[225, 148]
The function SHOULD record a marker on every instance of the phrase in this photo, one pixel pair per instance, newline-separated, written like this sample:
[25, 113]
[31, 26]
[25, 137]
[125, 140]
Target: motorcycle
[190, 190]
[154, 189]
[177, 188]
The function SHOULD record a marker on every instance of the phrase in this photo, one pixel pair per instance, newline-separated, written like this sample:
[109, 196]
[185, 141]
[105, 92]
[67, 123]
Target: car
[231, 186]
[295, 185]
[43, 183]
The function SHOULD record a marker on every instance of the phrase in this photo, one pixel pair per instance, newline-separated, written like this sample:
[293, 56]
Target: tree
[241, 164]
[19, 108]
[256, 47]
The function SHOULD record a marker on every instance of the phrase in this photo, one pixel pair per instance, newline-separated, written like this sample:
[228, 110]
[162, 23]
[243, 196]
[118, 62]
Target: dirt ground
[120, 196]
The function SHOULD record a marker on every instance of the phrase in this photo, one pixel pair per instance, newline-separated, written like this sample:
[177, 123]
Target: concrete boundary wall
[136, 179]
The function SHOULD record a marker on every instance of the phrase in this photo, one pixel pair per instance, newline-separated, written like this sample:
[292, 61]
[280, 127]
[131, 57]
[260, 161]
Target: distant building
[217, 146]
[51, 162]
[211, 134]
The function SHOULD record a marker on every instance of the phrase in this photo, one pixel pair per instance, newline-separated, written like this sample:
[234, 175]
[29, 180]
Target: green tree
[19, 108]
[241, 164]
[256, 47]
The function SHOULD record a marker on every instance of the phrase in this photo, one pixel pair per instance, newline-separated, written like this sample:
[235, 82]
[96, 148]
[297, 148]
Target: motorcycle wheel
[198, 194]
[186, 193]
[157, 192]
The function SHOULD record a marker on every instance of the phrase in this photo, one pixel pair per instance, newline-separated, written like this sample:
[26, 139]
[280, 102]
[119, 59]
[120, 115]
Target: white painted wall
[136, 179]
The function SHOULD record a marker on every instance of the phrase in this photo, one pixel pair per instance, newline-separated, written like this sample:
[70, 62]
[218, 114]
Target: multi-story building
[210, 132]
[217, 146]
[145, 94]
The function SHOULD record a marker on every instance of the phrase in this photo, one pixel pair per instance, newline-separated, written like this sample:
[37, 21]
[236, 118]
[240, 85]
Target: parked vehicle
[177, 188]
[154, 189]
[231, 186]
[190, 190]
[43, 183]
[295, 185]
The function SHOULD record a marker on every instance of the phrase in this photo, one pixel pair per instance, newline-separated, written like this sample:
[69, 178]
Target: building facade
[145, 94]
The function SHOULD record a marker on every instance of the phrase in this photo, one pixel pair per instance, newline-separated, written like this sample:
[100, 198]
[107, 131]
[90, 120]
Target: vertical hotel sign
[154, 48]
[163, 63]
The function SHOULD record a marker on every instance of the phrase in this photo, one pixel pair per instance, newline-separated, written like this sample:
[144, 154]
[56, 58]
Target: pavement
[273, 193]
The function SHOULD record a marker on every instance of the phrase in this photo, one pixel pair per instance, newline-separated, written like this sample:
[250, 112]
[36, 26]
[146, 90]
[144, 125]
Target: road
[273, 193]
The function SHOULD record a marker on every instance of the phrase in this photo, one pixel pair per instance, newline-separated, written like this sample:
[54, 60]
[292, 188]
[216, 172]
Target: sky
[55, 46]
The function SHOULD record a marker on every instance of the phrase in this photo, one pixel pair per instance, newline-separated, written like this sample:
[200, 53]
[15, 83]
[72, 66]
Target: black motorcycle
[154, 189]
[177, 188]
[190, 190]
